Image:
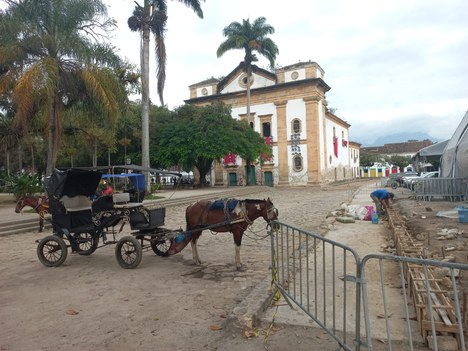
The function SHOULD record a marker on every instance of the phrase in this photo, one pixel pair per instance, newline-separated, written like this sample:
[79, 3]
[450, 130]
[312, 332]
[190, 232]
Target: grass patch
[153, 197]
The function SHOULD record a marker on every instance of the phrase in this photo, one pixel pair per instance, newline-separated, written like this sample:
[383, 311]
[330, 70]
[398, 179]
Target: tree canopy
[197, 136]
[53, 55]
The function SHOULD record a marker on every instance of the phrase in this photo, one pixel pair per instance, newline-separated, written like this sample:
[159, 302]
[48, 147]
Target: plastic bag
[361, 213]
[370, 211]
[352, 211]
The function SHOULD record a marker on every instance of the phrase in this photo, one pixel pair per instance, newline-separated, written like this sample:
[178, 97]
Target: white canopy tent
[455, 157]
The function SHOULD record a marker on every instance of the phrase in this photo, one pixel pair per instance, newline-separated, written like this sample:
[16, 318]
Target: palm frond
[161, 58]
[98, 84]
[194, 5]
[135, 22]
[250, 37]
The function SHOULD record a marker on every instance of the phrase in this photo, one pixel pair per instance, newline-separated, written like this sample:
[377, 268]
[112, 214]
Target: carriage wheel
[87, 243]
[161, 247]
[52, 251]
[128, 252]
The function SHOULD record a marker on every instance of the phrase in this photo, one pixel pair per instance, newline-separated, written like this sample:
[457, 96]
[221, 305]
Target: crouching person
[382, 199]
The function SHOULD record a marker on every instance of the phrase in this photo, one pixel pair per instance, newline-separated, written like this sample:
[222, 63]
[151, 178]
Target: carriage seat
[122, 200]
[76, 203]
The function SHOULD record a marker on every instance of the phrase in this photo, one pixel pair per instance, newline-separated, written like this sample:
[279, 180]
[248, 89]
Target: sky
[393, 66]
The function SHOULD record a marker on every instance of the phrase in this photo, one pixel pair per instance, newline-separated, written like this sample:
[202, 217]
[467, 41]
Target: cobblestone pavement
[90, 303]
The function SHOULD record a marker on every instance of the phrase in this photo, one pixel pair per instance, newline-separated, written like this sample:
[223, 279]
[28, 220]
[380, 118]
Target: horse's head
[270, 212]
[20, 205]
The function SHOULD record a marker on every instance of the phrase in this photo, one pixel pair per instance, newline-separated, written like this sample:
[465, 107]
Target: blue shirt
[381, 194]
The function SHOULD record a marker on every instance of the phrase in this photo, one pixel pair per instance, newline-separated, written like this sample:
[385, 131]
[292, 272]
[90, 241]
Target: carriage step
[110, 242]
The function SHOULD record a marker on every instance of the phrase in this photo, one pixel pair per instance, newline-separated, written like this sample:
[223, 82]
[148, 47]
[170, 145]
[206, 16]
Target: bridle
[20, 205]
[272, 212]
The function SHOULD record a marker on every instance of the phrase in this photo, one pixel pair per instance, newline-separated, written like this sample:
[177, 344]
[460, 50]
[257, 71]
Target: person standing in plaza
[382, 199]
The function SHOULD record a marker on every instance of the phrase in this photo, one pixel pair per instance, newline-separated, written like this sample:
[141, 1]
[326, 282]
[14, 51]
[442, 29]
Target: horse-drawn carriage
[84, 225]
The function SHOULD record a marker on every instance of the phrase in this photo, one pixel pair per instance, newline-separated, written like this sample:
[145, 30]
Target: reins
[243, 217]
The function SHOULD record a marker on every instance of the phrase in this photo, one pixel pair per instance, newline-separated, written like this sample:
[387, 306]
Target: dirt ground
[90, 303]
[444, 238]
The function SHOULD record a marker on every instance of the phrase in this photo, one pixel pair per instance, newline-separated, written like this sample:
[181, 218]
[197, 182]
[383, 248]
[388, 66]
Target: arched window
[296, 125]
[297, 163]
[266, 129]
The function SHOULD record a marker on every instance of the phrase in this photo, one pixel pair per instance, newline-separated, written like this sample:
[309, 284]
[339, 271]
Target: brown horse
[200, 216]
[39, 203]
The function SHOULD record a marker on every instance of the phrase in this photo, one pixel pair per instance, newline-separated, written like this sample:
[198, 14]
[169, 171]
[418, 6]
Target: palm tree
[146, 19]
[249, 37]
[51, 56]
[9, 138]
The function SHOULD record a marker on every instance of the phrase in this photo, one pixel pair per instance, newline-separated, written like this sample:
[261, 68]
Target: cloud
[392, 66]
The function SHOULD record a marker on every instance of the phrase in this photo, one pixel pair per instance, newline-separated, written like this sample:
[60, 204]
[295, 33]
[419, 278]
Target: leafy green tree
[147, 19]
[197, 136]
[399, 161]
[52, 55]
[85, 130]
[26, 184]
[9, 138]
[250, 37]
[368, 160]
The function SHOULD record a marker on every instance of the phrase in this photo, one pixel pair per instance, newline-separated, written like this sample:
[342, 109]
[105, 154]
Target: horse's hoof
[240, 269]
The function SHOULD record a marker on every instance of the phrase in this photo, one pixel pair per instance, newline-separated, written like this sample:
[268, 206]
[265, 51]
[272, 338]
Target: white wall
[301, 75]
[258, 82]
[209, 89]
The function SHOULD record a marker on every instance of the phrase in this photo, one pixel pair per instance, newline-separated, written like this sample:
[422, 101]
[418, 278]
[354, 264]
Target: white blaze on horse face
[272, 213]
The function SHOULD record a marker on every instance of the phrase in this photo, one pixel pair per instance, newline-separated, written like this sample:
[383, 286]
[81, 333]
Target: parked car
[408, 176]
[413, 181]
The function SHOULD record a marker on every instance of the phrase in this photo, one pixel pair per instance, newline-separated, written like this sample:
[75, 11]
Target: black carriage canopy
[72, 182]
[132, 168]
[85, 180]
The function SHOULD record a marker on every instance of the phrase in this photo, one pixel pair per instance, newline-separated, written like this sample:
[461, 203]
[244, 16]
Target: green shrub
[155, 187]
[26, 184]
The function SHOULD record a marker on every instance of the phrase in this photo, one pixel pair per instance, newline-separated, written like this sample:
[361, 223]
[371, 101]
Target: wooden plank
[440, 327]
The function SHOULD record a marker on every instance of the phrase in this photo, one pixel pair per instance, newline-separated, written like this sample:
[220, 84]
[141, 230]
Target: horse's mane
[254, 201]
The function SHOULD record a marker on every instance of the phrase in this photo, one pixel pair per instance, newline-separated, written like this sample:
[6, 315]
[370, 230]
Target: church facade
[310, 144]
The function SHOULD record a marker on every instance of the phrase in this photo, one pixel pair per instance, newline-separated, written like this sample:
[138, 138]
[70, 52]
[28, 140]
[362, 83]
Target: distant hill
[400, 138]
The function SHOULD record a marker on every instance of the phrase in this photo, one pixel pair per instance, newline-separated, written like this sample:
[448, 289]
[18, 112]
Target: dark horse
[39, 203]
[201, 215]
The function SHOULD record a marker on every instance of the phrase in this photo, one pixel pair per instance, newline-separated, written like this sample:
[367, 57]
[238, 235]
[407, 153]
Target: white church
[310, 144]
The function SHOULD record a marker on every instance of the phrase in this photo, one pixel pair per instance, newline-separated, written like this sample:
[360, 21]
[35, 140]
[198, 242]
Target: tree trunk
[95, 154]
[8, 162]
[145, 101]
[32, 158]
[249, 73]
[20, 158]
[50, 142]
